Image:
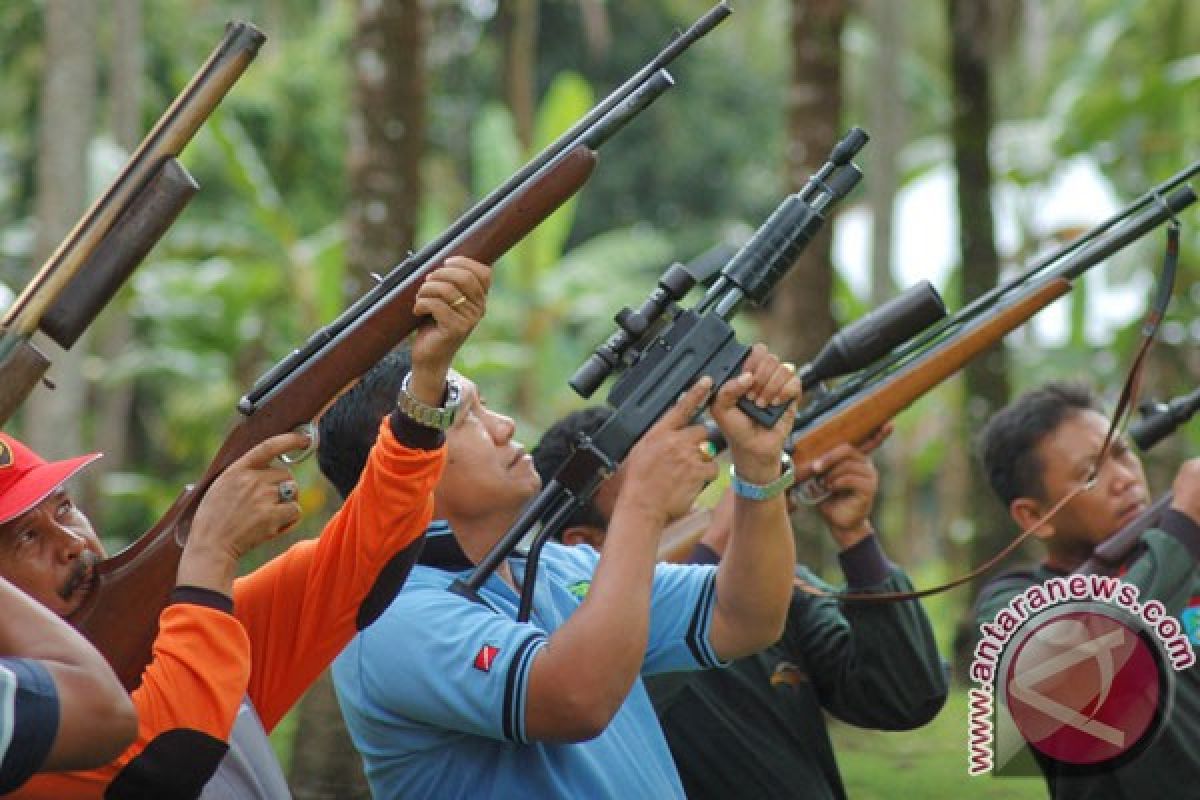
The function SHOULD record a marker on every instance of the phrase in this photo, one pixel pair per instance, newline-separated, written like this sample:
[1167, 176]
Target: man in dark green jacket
[757, 728]
[1034, 452]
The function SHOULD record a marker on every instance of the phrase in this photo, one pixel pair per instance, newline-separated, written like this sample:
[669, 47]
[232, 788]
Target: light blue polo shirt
[434, 690]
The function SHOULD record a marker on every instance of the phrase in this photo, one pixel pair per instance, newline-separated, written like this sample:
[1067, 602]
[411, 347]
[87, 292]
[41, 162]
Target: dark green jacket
[757, 728]
[1164, 569]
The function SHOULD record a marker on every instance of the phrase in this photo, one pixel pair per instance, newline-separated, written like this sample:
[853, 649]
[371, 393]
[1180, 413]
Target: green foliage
[549, 306]
[928, 763]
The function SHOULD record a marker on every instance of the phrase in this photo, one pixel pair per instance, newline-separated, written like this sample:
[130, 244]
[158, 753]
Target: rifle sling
[1128, 397]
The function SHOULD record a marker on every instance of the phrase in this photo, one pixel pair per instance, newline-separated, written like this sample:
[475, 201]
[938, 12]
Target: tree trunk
[114, 329]
[886, 113]
[886, 123]
[54, 420]
[800, 316]
[987, 381]
[518, 27]
[387, 136]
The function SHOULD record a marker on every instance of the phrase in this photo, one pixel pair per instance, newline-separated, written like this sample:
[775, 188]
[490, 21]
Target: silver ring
[287, 491]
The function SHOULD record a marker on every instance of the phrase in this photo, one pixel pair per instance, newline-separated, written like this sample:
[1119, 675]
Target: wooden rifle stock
[119, 228]
[120, 615]
[856, 419]
[681, 536]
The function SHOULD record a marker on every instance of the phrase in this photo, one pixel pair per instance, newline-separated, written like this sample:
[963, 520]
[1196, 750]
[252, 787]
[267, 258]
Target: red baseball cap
[27, 479]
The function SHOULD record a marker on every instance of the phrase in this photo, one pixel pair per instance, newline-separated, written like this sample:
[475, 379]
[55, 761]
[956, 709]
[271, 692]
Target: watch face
[453, 394]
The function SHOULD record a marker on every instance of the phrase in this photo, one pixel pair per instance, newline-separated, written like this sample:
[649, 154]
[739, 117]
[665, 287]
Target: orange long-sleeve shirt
[290, 618]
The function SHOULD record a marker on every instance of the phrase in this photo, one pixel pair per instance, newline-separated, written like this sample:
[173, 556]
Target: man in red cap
[28, 484]
[59, 700]
[232, 656]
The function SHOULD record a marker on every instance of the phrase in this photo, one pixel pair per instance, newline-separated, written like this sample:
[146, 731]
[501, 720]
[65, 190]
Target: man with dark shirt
[757, 728]
[1035, 451]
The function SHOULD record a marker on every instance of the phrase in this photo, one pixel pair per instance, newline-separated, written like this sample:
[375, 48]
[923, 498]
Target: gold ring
[462, 298]
[708, 450]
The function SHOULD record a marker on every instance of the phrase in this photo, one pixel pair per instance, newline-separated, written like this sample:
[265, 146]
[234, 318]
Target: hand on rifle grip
[766, 417]
[812, 491]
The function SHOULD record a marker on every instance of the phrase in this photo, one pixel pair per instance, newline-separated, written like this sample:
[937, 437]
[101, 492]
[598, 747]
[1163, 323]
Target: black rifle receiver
[661, 350]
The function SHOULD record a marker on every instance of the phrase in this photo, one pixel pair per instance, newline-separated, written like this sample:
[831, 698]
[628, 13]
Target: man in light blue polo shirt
[451, 698]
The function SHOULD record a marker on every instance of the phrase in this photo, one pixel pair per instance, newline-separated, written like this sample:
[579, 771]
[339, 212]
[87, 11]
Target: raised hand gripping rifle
[662, 349]
[120, 615]
[120, 227]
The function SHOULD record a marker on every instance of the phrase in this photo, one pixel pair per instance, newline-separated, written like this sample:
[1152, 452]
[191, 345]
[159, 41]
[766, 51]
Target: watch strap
[763, 491]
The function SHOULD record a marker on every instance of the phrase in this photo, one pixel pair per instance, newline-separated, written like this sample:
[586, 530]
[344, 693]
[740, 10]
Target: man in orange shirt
[232, 656]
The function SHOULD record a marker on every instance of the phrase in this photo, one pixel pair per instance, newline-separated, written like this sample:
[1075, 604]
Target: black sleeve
[875, 665]
[28, 719]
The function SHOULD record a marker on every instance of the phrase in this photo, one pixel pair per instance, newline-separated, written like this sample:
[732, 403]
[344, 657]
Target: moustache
[81, 573]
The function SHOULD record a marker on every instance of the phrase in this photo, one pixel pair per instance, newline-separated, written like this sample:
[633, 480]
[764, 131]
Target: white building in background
[925, 244]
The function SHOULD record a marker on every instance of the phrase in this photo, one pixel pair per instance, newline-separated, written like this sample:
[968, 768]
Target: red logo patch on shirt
[484, 658]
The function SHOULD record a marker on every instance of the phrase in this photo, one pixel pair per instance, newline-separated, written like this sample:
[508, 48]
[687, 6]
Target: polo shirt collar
[441, 550]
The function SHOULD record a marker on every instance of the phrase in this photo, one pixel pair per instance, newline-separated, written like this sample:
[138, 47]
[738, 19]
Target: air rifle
[120, 616]
[853, 348]
[859, 405]
[661, 349]
[120, 227]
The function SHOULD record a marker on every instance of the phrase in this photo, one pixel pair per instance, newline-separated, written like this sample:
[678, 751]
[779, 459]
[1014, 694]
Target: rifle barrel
[595, 128]
[990, 298]
[1100, 247]
[170, 134]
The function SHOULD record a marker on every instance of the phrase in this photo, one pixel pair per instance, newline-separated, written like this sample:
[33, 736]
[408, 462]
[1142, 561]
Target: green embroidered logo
[580, 588]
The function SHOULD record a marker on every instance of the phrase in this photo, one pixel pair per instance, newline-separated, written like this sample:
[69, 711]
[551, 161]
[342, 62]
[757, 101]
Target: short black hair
[1007, 444]
[555, 448]
[348, 428]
